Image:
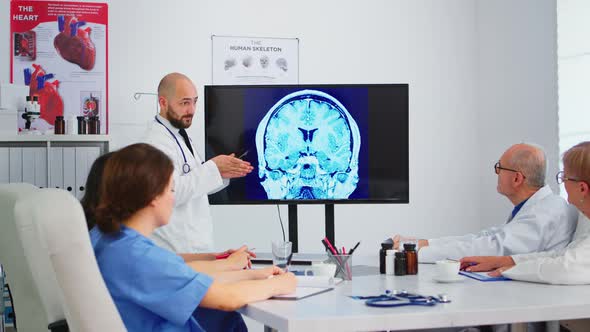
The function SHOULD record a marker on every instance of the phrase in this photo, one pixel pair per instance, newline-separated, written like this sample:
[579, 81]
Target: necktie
[184, 135]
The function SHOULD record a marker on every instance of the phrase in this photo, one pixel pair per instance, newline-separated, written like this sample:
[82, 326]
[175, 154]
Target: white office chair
[28, 304]
[63, 235]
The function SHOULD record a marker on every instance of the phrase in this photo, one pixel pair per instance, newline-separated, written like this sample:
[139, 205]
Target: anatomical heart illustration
[73, 43]
[50, 100]
[61, 47]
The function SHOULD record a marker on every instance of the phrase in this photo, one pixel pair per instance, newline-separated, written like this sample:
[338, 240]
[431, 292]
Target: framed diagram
[59, 50]
[254, 60]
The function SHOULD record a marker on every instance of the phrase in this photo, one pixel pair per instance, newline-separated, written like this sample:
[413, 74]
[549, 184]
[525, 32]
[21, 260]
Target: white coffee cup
[447, 269]
[322, 269]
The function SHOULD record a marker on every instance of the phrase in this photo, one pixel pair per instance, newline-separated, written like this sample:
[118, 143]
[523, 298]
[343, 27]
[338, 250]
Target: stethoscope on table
[186, 168]
[401, 298]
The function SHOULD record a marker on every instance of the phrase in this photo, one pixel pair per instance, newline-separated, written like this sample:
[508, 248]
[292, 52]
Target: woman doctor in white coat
[567, 266]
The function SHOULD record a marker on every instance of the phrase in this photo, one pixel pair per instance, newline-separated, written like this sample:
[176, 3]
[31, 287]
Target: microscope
[32, 111]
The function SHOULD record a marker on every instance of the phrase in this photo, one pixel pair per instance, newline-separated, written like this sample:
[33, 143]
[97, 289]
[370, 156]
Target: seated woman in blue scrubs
[153, 288]
[238, 259]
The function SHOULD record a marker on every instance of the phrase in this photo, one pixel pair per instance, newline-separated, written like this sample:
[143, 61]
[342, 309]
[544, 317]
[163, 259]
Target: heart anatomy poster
[59, 50]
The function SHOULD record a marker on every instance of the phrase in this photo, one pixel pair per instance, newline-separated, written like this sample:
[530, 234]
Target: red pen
[346, 263]
[226, 255]
[222, 256]
[330, 246]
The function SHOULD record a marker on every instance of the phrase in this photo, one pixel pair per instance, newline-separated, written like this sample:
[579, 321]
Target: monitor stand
[293, 232]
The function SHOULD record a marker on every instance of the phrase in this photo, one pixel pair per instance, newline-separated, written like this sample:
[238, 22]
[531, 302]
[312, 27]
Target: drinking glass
[281, 253]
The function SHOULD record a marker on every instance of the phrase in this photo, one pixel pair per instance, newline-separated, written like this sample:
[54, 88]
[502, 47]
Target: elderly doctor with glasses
[539, 221]
[567, 266]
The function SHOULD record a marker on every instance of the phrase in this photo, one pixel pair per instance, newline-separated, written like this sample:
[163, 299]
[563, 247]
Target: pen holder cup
[343, 265]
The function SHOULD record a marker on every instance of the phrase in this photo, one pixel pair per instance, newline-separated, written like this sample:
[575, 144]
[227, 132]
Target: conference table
[472, 303]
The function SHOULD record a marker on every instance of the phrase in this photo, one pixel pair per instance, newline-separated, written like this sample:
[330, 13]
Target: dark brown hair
[132, 178]
[92, 189]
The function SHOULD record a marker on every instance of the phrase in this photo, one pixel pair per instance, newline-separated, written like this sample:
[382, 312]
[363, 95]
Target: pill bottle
[400, 263]
[411, 258]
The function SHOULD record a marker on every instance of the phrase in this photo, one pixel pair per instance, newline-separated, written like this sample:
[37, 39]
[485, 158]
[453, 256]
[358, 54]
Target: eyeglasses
[497, 169]
[561, 178]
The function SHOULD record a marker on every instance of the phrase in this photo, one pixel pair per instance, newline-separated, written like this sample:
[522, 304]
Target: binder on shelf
[16, 164]
[4, 166]
[69, 169]
[85, 156]
[28, 165]
[40, 167]
[57, 167]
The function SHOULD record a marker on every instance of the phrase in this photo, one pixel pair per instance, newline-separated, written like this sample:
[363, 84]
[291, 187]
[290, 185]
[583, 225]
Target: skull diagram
[308, 148]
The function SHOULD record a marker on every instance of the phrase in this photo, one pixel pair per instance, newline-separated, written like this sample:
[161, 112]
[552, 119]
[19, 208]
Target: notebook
[317, 281]
[483, 276]
[302, 292]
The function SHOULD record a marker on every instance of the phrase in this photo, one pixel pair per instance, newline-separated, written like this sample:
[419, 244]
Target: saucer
[457, 278]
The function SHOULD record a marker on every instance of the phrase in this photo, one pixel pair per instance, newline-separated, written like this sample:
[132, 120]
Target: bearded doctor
[190, 229]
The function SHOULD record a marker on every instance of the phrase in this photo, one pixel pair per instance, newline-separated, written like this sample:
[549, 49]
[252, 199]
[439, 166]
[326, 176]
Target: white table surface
[473, 303]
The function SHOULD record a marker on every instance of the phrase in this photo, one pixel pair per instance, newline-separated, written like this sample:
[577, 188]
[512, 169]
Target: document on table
[483, 276]
[317, 281]
[302, 292]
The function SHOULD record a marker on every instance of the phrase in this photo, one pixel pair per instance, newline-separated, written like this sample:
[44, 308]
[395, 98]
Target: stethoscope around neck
[186, 168]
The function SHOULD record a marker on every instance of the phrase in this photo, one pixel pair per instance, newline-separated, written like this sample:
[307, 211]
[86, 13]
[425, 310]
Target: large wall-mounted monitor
[310, 144]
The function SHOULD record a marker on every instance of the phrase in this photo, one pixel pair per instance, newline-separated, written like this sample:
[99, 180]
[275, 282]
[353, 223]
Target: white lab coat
[190, 228]
[545, 222]
[567, 266]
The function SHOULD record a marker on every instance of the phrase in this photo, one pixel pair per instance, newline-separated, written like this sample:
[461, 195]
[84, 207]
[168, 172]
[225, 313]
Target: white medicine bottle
[71, 125]
[389, 259]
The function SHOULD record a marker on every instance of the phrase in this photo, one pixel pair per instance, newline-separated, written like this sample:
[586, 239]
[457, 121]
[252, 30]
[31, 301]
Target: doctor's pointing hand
[231, 167]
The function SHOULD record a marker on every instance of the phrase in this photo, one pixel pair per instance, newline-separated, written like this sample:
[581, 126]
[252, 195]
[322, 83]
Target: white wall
[481, 75]
[517, 88]
[573, 29]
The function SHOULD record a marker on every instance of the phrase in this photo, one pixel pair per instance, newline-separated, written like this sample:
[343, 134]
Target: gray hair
[531, 161]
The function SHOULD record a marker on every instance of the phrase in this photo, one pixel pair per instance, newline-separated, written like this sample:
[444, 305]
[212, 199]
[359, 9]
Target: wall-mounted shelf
[55, 161]
[54, 138]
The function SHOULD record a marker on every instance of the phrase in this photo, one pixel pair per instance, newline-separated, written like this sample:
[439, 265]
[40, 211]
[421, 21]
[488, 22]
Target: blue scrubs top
[153, 288]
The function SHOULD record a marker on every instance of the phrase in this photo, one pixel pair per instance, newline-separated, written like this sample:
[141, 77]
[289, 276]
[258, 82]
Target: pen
[333, 251]
[346, 262]
[354, 248]
[222, 256]
[463, 267]
[330, 246]
[243, 154]
[226, 255]
[325, 245]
